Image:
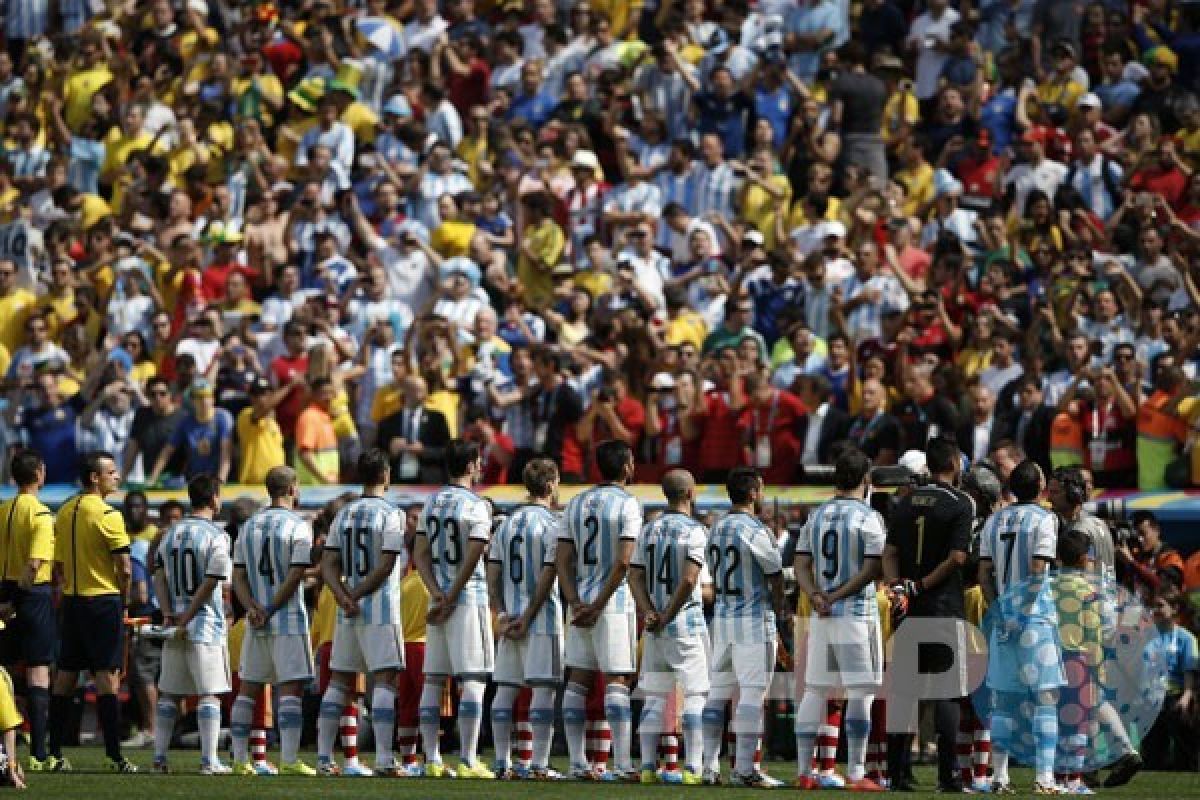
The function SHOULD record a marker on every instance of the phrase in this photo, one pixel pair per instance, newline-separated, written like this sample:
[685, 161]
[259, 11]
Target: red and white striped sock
[258, 745]
[522, 730]
[599, 743]
[406, 744]
[827, 738]
[877, 744]
[982, 755]
[668, 749]
[348, 732]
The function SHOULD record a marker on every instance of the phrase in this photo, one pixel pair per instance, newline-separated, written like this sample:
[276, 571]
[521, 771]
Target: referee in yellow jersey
[27, 549]
[91, 555]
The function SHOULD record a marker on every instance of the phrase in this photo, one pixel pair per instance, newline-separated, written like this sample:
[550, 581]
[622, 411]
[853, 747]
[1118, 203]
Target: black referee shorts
[31, 637]
[93, 634]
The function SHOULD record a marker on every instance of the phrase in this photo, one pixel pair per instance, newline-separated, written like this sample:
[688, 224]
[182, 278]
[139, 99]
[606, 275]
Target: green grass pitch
[91, 784]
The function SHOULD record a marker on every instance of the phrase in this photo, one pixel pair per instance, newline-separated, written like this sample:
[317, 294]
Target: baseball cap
[914, 461]
[201, 388]
[663, 380]
[398, 104]
[585, 159]
[260, 385]
[1090, 100]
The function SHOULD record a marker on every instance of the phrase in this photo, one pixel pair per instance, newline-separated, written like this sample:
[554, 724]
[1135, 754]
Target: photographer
[1068, 491]
[929, 537]
[1147, 565]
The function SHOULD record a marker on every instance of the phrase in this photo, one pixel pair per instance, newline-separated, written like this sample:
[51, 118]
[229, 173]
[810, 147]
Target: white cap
[914, 462]
[663, 380]
[1090, 100]
[199, 6]
[831, 227]
[585, 159]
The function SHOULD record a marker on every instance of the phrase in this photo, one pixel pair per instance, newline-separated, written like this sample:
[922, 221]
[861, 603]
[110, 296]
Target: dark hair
[941, 455]
[1073, 546]
[460, 455]
[24, 467]
[538, 476]
[203, 490]
[1025, 481]
[611, 458]
[373, 467]
[741, 483]
[89, 465]
[170, 505]
[851, 469]
[280, 481]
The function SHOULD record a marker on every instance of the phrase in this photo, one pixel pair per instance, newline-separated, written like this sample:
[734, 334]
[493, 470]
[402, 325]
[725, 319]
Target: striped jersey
[270, 543]
[596, 522]
[1013, 537]
[742, 554]
[840, 535]
[452, 517]
[523, 544]
[362, 532]
[191, 551]
[664, 550]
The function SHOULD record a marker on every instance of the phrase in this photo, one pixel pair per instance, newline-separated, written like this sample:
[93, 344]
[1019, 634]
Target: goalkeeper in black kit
[929, 535]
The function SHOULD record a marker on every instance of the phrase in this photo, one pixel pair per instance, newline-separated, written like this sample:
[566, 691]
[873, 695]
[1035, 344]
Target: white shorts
[845, 653]
[367, 648]
[748, 665]
[536, 660]
[668, 660]
[609, 646]
[192, 668]
[276, 658]
[462, 645]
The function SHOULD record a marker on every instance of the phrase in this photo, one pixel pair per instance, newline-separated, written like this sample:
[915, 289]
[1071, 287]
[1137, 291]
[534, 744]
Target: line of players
[606, 567]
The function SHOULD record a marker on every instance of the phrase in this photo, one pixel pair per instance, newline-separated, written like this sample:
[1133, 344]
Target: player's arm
[637, 583]
[331, 573]
[112, 527]
[960, 539]
[478, 537]
[802, 567]
[162, 592]
[41, 547]
[1045, 545]
[245, 596]
[985, 573]
[423, 564]
[495, 574]
[564, 562]
[199, 599]
[295, 576]
[616, 575]
[891, 564]
[873, 538]
[541, 592]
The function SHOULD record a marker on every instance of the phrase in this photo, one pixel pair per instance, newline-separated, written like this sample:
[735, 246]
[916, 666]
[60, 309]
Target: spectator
[1148, 565]
[204, 435]
[415, 437]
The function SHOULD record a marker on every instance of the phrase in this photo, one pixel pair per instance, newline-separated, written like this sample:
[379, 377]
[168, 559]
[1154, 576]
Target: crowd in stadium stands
[236, 236]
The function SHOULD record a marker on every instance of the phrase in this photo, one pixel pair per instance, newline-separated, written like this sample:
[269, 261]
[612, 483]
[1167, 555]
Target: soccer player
[1016, 548]
[665, 580]
[452, 535]
[190, 565]
[522, 581]
[747, 569]
[91, 554]
[928, 538]
[363, 561]
[27, 546]
[272, 552]
[838, 555]
[596, 537]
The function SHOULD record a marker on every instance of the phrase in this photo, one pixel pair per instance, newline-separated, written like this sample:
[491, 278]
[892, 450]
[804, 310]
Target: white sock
[502, 723]
[470, 718]
[430, 716]
[810, 715]
[574, 713]
[241, 718]
[858, 730]
[747, 726]
[713, 719]
[383, 722]
[620, 719]
[693, 732]
[208, 720]
[999, 767]
[650, 728]
[165, 714]
[291, 723]
[541, 717]
[329, 719]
